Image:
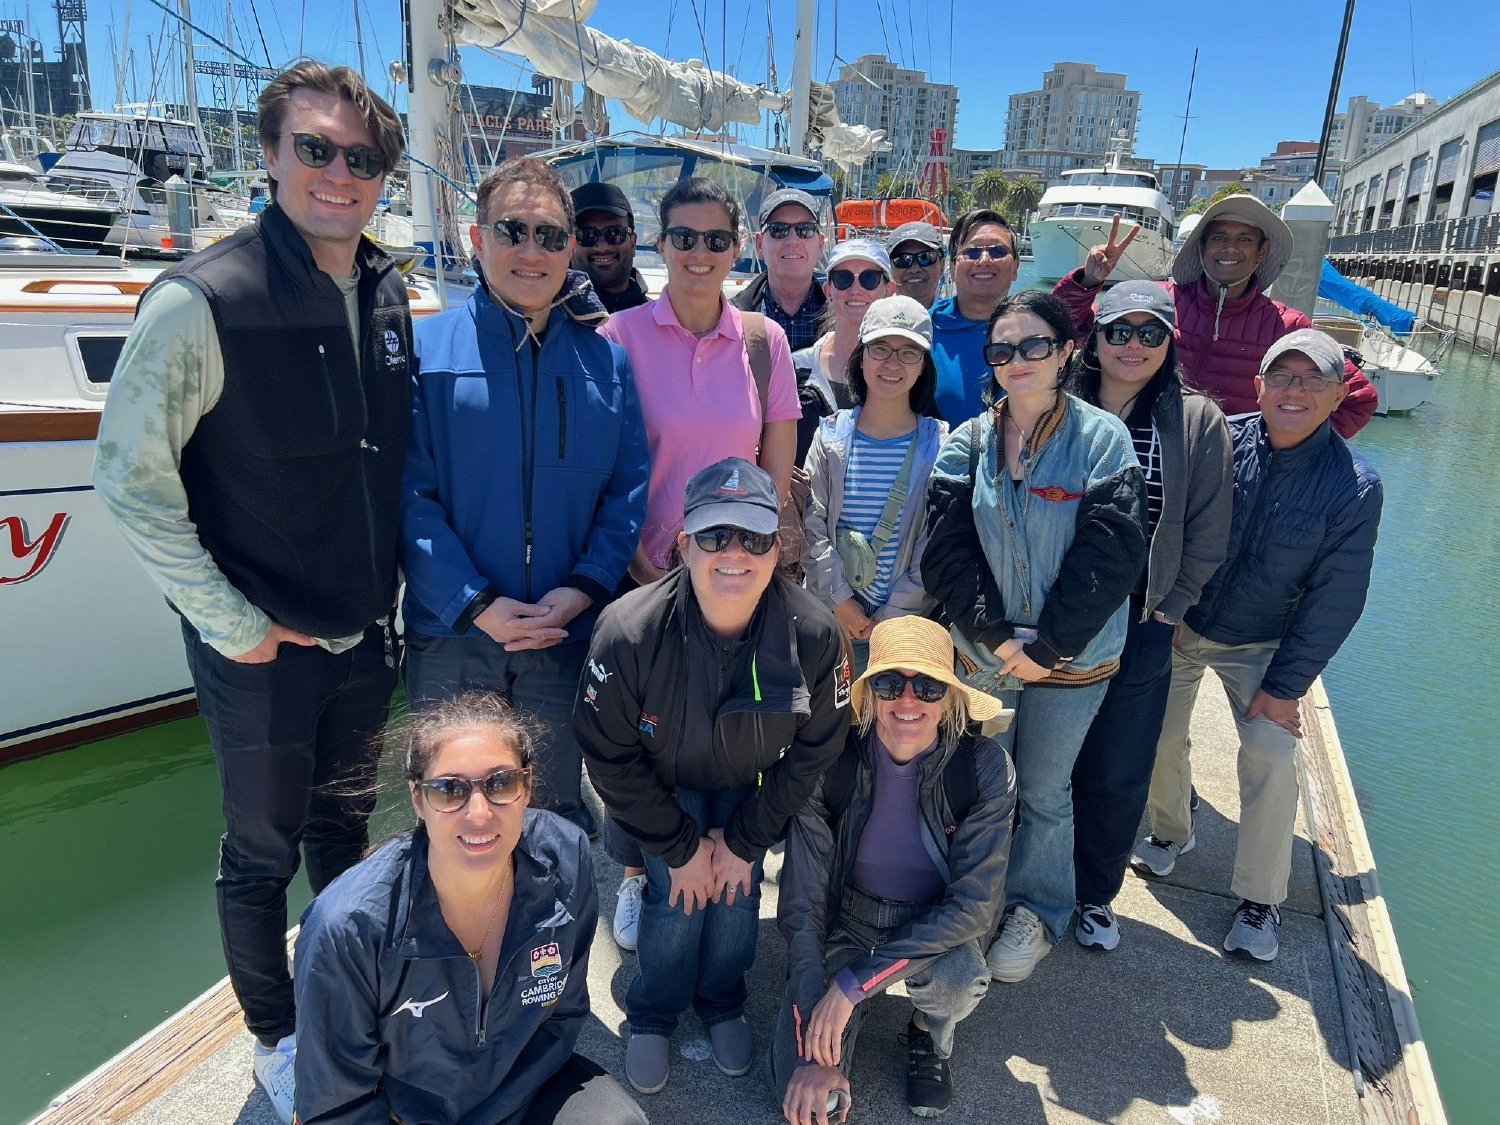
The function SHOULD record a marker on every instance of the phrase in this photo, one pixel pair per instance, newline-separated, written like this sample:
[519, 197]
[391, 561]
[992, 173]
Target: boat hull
[1400, 391]
[1060, 246]
[81, 228]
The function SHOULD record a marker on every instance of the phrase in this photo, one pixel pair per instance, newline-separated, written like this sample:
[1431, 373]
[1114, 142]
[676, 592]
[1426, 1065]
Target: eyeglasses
[908, 258]
[501, 788]
[685, 238]
[891, 685]
[781, 230]
[715, 539]
[549, 236]
[615, 235]
[1279, 380]
[1152, 334]
[998, 252]
[364, 162]
[868, 279]
[1000, 352]
[881, 352]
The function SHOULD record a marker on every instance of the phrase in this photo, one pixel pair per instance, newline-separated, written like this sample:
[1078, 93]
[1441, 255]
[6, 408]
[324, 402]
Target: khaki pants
[1267, 764]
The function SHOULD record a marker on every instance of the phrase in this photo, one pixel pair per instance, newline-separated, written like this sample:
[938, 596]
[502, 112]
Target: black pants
[582, 1093]
[293, 739]
[1113, 772]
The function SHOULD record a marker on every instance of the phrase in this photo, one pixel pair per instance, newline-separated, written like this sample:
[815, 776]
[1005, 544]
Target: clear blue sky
[1263, 69]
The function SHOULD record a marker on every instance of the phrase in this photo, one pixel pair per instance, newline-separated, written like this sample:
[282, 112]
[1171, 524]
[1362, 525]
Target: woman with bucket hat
[866, 515]
[894, 869]
[1128, 366]
[712, 701]
[1225, 321]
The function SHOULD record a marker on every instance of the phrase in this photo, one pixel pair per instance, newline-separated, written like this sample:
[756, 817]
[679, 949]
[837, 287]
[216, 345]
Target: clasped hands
[714, 874]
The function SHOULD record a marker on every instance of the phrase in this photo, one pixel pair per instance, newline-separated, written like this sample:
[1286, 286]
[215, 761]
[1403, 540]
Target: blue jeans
[697, 959]
[1044, 740]
[1113, 772]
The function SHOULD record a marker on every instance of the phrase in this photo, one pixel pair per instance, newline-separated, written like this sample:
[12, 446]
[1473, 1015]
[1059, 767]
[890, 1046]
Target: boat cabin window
[99, 353]
[1111, 179]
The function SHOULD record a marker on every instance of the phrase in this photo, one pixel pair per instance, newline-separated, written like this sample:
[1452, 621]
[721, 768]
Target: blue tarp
[1334, 286]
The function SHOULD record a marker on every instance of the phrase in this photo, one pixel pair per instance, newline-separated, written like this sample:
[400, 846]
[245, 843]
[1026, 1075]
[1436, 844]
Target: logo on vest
[394, 355]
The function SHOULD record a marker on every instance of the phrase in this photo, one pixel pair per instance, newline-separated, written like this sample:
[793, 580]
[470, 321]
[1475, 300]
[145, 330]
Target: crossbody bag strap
[886, 527]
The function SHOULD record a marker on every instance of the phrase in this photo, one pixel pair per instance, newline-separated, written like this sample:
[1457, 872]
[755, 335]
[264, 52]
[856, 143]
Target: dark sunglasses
[615, 236]
[549, 236]
[501, 788]
[364, 162]
[1001, 352]
[890, 686]
[868, 279]
[908, 258]
[685, 238]
[715, 539]
[998, 252]
[1153, 333]
[781, 230]
[1279, 380]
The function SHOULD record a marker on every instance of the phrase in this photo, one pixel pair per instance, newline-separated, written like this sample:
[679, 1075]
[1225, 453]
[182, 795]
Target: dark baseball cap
[1136, 296]
[1321, 348]
[786, 195]
[596, 196]
[925, 233]
[731, 493]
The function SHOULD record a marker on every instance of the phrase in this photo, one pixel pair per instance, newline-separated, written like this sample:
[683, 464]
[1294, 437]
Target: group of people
[924, 588]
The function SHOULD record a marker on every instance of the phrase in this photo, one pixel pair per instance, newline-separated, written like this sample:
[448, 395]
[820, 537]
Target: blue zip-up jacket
[527, 467]
[1300, 551]
[958, 354]
[390, 1017]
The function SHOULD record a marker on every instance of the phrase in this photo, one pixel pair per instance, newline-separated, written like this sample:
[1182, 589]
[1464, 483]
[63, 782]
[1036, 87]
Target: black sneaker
[929, 1086]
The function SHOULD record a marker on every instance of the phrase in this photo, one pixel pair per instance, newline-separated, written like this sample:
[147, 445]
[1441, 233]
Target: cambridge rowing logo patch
[546, 961]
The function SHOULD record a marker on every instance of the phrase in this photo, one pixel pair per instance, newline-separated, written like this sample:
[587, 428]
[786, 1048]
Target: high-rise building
[1367, 125]
[876, 92]
[1071, 121]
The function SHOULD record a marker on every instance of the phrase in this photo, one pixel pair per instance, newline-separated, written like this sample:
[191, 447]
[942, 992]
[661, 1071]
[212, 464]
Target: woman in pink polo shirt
[687, 349]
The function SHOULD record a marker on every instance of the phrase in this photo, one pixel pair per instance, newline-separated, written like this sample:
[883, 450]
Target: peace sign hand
[1102, 258]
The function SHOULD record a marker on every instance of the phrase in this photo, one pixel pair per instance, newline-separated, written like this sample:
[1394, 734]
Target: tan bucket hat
[924, 646]
[1187, 267]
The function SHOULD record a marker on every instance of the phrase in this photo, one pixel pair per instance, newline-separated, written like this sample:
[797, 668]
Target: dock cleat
[1155, 856]
[1256, 930]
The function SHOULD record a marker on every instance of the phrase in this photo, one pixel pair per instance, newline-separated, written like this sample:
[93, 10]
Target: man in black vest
[251, 455]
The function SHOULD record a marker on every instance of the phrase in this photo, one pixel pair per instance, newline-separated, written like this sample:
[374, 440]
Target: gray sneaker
[1097, 926]
[1256, 929]
[1023, 941]
[1155, 856]
[731, 1045]
[646, 1058]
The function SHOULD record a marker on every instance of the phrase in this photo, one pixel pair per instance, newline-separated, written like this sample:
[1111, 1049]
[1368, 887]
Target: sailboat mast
[1333, 95]
[802, 54]
[189, 71]
[234, 86]
[431, 69]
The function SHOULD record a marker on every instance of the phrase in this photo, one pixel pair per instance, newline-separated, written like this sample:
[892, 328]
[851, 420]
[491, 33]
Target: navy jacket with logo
[390, 1019]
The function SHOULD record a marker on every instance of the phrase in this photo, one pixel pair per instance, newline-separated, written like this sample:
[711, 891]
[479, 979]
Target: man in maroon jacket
[1225, 322]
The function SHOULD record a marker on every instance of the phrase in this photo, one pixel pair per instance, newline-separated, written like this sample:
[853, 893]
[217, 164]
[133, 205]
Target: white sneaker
[628, 912]
[273, 1074]
[1157, 857]
[1022, 943]
[1097, 926]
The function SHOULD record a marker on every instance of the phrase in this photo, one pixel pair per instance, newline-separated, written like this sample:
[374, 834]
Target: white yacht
[1077, 214]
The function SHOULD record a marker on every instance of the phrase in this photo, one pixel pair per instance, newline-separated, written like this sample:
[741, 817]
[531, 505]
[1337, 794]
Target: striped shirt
[874, 464]
[1147, 443]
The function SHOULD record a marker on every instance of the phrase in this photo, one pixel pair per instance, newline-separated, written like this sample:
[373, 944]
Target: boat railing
[1473, 234]
[1149, 221]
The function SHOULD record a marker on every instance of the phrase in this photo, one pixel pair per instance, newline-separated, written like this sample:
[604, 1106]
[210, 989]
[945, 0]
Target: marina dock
[1165, 1028]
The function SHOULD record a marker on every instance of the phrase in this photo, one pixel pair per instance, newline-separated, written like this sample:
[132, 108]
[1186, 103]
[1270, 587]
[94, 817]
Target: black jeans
[296, 743]
[1113, 772]
[582, 1093]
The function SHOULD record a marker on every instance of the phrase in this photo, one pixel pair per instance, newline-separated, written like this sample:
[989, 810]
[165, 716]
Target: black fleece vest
[293, 478]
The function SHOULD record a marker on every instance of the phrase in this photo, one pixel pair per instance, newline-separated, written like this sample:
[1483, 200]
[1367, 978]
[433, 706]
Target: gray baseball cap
[897, 316]
[1136, 296]
[786, 195]
[1321, 348]
[731, 493]
[866, 249]
[925, 233]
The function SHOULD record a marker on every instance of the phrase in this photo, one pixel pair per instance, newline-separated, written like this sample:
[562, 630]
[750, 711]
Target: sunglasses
[501, 788]
[781, 230]
[1001, 352]
[364, 162]
[907, 259]
[996, 253]
[1153, 333]
[715, 539]
[881, 352]
[890, 686]
[685, 238]
[868, 279]
[615, 235]
[549, 236]
[1279, 380]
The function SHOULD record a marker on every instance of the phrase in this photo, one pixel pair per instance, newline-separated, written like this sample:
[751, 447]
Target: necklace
[475, 954]
[1024, 435]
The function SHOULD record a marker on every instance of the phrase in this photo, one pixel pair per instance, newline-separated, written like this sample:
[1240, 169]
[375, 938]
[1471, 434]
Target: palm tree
[1025, 192]
[885, 184]
[990, 188]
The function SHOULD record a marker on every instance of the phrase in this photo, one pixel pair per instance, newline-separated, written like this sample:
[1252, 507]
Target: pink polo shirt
[699, 401]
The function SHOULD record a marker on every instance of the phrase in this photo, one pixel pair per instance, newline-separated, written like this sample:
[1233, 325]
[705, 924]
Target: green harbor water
[107, 922]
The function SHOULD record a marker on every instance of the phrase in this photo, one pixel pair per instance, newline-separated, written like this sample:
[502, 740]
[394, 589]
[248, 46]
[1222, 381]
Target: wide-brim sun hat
[1187, 267]
[897, 315]
[916, 644]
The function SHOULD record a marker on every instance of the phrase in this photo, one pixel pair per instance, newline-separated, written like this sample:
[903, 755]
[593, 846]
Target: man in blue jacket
[982, 253]
[526, 474]
[1290, 590]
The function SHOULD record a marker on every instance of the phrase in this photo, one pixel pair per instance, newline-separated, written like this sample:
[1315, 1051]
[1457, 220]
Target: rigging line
[260, 31]
[1411, 25]
[212, 39]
